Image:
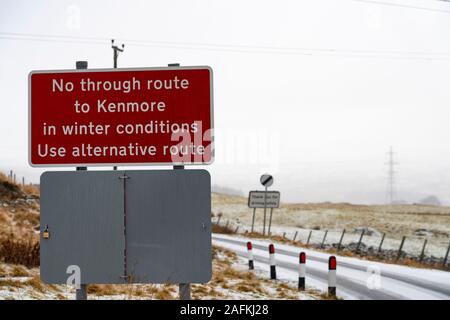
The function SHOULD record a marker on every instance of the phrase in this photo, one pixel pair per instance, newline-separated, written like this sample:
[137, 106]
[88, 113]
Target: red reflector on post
[249, 245]
[332, 263]
[271, 248]
[302, 257]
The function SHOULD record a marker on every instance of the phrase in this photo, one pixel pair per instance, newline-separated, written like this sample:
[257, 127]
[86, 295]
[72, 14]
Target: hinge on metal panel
[124, 177]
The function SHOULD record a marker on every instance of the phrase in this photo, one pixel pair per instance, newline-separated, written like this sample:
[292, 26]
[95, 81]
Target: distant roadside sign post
[266, 180]
[259, 199]
[264, 199]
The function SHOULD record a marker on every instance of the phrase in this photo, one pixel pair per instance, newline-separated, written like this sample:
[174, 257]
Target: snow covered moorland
[319, 221]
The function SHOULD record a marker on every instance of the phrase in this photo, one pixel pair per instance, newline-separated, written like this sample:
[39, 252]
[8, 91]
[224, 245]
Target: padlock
[46, 233]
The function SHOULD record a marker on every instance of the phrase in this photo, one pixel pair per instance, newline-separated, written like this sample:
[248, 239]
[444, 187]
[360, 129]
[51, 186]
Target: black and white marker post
[250, 256]
[301, 271]
[332, 276]
[266, 180]
[273, 271]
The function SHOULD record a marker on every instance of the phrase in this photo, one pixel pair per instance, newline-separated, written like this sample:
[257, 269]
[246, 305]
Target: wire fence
[361, 241]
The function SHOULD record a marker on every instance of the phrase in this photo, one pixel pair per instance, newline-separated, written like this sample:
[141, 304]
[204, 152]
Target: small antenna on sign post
[116, 50]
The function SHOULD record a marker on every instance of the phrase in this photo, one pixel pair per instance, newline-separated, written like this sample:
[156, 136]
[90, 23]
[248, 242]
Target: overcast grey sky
[313, 91]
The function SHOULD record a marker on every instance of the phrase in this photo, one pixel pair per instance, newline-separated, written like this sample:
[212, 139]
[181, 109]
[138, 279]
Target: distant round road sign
[266, 180]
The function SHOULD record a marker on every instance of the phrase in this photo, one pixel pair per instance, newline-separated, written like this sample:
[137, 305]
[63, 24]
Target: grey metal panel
[169, 226]
[84, 214]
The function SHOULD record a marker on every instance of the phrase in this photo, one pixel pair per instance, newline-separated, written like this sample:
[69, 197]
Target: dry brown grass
[25, 216]
[11, 283]
[59, 296]
[35, 282]
[325, 296]
[31, 189]
[4, 218]
[19, 271]
[19, 251]
[164, 294]
[8, 189]
[102, 290]
[133, 291]
[15, 189]
[221, 229]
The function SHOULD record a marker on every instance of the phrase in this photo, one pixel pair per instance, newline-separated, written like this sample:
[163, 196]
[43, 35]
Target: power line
[102, 40]
[351, 53]
[218, 45]
[404, 5]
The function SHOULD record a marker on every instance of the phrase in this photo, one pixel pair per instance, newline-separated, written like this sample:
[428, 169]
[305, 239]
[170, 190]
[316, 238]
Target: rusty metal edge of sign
[250, 192]
[211, 89]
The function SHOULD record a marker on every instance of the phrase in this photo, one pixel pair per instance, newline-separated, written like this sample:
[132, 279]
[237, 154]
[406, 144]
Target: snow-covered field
[416, 222]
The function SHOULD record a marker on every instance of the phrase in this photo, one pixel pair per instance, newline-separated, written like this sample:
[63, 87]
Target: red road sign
[121, 117]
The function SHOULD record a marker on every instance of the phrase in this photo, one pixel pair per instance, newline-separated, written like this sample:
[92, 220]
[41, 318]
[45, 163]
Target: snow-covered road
[356, 279]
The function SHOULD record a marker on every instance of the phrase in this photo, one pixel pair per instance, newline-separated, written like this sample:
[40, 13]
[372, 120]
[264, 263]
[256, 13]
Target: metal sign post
[184, 289]
[116, 50]
[253, 220]
[263, 199]
[266, 180]
[265, 207]
[270, 221]
[81, 292]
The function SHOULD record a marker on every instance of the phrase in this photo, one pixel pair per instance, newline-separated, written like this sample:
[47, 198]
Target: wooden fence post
[423, 250]
[340, 240]
[309, 237]
[446, 255]
[381, 243]
[401, 247]
[360, 240]
[324, 237]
